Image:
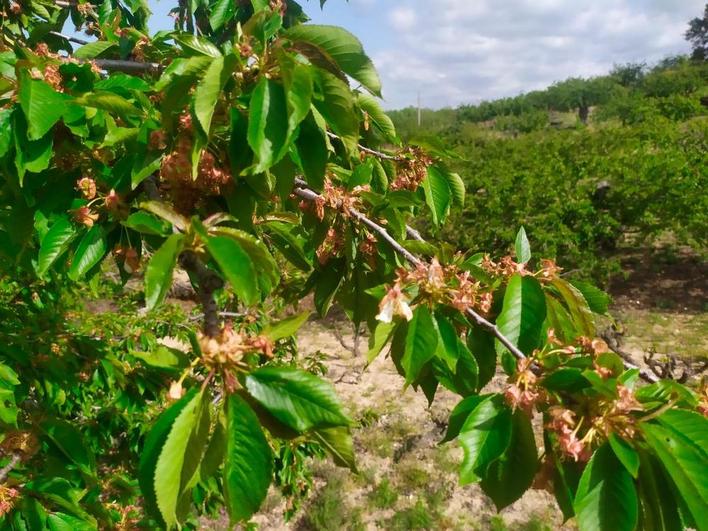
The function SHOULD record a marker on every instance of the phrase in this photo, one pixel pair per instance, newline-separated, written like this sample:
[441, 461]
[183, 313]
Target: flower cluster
[229, 347]
[85, 215]
[564, 425]
[441, 284]
[176, 170]
[523, 392]
[128, 256]
[330, 247]
[411, 169]
[336, 198]
[507, 267]
[8, 499]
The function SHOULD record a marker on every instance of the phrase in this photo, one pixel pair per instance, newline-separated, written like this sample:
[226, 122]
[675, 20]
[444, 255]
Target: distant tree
[628, 75]
[581, 94]
[697, 35]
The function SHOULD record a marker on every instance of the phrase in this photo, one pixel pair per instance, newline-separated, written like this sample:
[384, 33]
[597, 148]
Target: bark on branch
[207, 282]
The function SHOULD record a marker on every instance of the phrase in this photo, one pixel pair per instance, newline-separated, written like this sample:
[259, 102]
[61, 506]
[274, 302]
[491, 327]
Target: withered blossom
[395, 303]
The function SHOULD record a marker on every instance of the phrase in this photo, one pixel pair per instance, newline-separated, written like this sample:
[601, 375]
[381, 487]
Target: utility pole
[419, 111]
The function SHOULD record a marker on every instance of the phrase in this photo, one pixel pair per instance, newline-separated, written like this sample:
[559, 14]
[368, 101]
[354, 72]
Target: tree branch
[4, 471]
[207, 283]
[379, 154]
[69, 38]
[135, 67]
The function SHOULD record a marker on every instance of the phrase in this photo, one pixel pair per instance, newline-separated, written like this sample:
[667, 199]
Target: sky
[456, 52]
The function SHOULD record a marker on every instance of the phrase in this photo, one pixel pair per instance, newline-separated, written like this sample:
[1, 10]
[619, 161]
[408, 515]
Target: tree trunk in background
[583, 113]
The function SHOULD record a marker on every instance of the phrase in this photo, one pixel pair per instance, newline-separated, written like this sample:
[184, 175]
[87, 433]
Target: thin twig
[4, 471]
[379, 154]
[69, 38]
[63, 3]
[414, 234]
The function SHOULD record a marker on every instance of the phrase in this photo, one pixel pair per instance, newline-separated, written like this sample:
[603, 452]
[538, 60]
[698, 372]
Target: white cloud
[461, 51]
[402, 18]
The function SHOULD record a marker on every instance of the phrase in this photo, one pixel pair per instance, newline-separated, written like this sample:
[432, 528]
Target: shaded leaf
[158, 275]
[248, 468]
[90, 251]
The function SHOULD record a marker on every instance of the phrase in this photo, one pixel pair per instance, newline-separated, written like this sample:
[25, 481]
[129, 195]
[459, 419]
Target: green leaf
[8, 376]
[171, 474]
[577, 306]
[92, 49]
[378, 117]
[327, 284]
[158, 275]
[8, 407]
[54, 244]
[344, 48]
[522, 247]
[297, 398]
[484, 437]
[71, 442]
[5, 131]
[206, 95]
[197, 45]
[457, 188]
[437, 194]
[606, 499]
[680, 440]
[144, 171]
[147, 224]
[215, 453]
[338, 443]
[267, 124]
[248, 469]
[507, 478]
[90, 251]
[298, 80]
[312, 149]
[481, 344]
[31, 155]
[558, 318]
[337, 108]
[285, 328]
[236, 265]
[42, 105]
[163, 357]
[569, 379]
[658, 508]
[523, 313]
[264, 264]
[421, 343]
[222, 11]
[66, 522]
[378, 340]
[627, 455]
[459, 415]
[598, 300]
[108, 101]
[166, 212]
